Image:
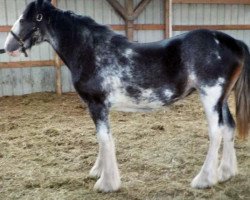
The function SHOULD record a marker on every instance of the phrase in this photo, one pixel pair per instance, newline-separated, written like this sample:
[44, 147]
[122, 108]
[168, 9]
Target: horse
[109, 72]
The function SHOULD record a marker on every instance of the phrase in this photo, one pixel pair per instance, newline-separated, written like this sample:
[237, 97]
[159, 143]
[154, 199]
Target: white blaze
[16, 29]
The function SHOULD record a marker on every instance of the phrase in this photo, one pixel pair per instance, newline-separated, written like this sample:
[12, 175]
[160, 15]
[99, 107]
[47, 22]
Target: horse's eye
[21, 21]
[39, 17]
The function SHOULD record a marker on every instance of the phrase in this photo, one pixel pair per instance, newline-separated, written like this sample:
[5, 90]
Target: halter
[20, 40]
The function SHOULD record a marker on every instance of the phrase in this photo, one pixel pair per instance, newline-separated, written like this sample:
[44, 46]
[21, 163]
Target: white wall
[29, 80]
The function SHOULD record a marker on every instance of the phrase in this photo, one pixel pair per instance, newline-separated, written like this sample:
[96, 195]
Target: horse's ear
[40, 3]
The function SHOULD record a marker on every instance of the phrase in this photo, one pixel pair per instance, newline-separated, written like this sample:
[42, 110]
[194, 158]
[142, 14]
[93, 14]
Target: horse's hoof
[203, 180]
[107, 186]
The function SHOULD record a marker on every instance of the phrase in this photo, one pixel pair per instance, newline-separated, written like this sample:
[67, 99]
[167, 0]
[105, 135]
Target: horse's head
[29, 29]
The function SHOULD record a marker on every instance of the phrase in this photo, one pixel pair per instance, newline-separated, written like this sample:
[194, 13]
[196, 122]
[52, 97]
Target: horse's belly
[145, 102]
[135, 107]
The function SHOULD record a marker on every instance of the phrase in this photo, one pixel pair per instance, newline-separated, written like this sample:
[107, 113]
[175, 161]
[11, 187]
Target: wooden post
[140, 7]
[129, 14]
[118, 8]
[54, 2]
[58, 75]
[168, 18]
[57, 63]
[130, 19]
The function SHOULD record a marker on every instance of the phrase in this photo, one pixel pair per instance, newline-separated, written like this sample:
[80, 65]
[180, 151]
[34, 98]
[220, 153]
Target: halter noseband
[21, 41]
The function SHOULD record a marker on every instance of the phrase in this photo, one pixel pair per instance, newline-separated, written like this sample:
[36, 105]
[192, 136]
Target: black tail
[242, 96]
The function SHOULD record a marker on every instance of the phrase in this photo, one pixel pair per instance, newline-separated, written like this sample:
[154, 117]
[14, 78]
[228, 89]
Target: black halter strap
[22, 40]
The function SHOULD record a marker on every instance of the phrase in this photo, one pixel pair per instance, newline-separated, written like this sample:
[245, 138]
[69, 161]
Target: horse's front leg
[105, 166]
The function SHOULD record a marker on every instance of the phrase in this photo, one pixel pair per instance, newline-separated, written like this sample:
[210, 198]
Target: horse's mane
[87, 21]
[78, 22]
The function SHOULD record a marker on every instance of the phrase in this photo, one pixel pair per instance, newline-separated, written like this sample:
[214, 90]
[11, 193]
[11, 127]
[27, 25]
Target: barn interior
[47, 138]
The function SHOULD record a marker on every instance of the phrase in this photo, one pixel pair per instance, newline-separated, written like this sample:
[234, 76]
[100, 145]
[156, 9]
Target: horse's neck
[66, 42]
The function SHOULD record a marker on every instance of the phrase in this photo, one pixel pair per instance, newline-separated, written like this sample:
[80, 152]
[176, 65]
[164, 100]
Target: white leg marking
[106, 164]
[228, 167]
[208, 175]
[97, 168]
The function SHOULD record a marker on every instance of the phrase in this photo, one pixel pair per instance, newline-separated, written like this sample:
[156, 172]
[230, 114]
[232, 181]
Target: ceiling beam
[118, 8]
[129, 14]
[140, 7]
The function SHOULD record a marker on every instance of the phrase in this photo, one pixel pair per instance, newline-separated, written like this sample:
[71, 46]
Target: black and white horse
[109, 72]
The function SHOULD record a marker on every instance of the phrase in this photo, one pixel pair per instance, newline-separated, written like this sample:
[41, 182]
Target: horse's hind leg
[210, 96]
[228, 166]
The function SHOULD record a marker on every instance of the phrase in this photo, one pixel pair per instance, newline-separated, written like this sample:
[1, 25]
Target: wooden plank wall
[18, 81]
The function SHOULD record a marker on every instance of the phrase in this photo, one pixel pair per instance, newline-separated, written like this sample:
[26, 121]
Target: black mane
[78, 23]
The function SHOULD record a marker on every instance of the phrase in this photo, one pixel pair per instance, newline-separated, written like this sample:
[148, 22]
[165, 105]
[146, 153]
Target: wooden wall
[18, 81]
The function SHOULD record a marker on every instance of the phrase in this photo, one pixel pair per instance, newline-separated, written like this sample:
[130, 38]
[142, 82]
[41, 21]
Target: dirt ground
[48, 146]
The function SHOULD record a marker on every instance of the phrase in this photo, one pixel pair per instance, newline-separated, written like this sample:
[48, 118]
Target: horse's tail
[242, 95]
